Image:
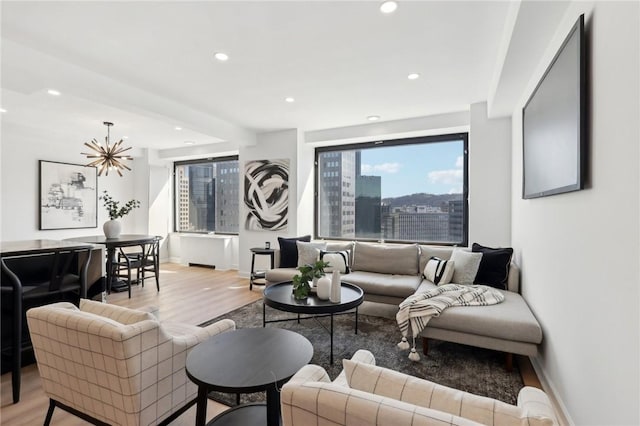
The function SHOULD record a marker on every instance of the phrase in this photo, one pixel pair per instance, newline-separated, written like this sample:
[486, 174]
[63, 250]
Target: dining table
[112, 244]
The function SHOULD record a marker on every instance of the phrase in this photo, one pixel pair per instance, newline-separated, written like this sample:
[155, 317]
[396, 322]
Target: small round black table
[279, 296]
[260, 275]
[245, 361]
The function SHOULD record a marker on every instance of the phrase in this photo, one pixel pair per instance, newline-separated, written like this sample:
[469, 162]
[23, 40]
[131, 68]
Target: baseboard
[547, 385]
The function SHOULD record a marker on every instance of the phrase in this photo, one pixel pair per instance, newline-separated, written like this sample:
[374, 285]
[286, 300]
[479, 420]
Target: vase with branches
[112, 227]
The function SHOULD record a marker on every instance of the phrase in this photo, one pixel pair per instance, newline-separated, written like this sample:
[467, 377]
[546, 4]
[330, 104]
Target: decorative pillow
[289, 251]
[308, 252]
[494, 266]
[413, 390]
[466, 266]
[439, 271]
[338, 260]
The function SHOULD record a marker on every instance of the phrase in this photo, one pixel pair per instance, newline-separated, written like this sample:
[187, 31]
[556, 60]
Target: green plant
[114, 209]
[301, 286]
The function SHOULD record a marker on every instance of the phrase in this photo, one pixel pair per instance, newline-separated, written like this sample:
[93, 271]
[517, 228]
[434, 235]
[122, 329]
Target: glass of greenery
[301, 286]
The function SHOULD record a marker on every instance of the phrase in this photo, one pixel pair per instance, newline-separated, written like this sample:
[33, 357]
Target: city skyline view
[435, 168]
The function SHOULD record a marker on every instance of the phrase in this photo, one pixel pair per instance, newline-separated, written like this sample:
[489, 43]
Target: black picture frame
[67, 196]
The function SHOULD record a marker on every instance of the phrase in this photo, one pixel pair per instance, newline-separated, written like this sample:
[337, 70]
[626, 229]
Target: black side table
[247, 360]
[260, 275]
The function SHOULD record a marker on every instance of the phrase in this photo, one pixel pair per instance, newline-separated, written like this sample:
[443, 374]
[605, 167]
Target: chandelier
[109, 157]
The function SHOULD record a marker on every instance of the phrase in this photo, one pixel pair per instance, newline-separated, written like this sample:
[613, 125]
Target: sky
[435, 168]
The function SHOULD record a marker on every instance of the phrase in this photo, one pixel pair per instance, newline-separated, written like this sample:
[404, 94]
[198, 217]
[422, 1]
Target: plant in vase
[301, 286]
[112, 227]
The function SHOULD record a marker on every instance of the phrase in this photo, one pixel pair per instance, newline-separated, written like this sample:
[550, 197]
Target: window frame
[399, 142]
[201, 161]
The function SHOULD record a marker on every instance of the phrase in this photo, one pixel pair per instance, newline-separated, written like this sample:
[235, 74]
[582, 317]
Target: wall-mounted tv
[554, 123]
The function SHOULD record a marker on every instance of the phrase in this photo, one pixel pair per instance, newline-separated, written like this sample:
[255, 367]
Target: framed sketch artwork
[266, 194]
[68, 196]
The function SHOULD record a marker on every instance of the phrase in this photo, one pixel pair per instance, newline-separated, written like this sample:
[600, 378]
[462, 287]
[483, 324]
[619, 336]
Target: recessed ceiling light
[3, 110]
[189, 143]
[373, 117]
[125, 137]
[289, 99]
[388, 6]
[178, 128]
[221, 56]
[413, 76]
[53, 92]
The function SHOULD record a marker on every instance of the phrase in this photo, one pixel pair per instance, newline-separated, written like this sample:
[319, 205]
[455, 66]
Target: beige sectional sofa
[366, 394]
[389, 273]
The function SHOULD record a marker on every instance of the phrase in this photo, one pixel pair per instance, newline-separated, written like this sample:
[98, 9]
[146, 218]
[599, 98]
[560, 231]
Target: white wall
[489, 178]
[580, 252]
[270, 146]
[21, 148]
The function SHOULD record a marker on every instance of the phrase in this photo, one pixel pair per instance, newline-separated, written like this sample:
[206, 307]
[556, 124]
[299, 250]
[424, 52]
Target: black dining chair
[36, 280]
[150, 261]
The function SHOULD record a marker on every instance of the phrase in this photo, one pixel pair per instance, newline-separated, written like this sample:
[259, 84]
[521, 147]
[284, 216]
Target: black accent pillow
[289, 250]
[494, 266]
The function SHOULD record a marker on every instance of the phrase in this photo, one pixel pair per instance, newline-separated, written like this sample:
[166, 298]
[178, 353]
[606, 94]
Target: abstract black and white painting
[266, 194]
[68, 196]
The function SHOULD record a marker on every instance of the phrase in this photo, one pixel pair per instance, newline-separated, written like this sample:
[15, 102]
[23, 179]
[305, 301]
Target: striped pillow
[338, 260]
[439, 271]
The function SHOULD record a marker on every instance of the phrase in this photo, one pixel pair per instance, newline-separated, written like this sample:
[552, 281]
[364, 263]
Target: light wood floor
[187, 294]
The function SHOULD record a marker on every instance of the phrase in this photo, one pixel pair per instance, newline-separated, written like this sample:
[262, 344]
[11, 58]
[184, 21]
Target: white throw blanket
[416, 311]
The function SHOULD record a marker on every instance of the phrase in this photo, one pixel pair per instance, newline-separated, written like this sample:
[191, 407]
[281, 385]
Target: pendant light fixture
[108, 157]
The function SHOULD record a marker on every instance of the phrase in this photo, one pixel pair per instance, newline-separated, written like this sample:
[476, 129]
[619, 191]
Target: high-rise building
[227, 209]
[411, 226]
[182, 192]
[456, 220]
[368, 205]
[201, 197]
[337, 190]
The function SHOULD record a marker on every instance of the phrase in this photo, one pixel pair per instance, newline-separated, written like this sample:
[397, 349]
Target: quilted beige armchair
[365, 394]
[112, 365]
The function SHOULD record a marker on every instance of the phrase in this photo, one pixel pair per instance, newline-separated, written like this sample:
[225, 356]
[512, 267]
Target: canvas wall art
[68, 196]
[266, 195]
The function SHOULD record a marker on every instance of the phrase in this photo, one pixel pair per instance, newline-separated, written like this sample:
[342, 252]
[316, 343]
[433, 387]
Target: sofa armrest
[536, 404]
[117, 313]
[361, 355]
[310, 373]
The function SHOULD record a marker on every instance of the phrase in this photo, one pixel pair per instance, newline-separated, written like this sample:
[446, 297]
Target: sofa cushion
[289, 251]
[346, 246]
[279, 275]
[466, 266]
[413, 390]
[510, 320]
[384, 284]
[401, 259]
[494, 266]
[308, 253]
[439, 271]
[338, 261]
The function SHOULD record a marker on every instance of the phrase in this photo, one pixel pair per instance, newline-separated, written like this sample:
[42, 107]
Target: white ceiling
[149, 66]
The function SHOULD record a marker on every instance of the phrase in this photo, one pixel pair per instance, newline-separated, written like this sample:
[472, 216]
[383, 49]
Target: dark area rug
[474, 370]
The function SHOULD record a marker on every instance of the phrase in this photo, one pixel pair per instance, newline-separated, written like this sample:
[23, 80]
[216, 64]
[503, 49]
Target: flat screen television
[554, 123]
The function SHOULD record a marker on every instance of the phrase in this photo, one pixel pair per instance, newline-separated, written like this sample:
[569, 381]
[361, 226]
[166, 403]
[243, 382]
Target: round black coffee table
[245, 361]
[279, 296]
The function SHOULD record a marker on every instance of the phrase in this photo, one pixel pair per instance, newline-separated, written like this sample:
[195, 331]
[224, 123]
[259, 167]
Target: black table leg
[331, 358]
[264, 316]
[273, 405]
[201, 406]
[111, 252]
[356, 320]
